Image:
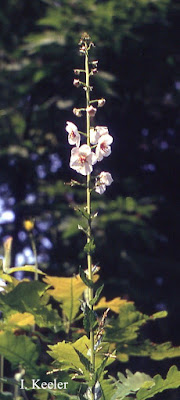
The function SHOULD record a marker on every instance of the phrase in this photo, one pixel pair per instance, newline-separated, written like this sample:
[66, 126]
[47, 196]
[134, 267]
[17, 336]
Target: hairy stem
[33, 244]
[89, 259]
[1, 373]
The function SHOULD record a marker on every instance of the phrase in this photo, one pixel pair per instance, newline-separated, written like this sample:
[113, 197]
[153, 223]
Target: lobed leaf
[67, 291]
[130, 384]
[172, 381]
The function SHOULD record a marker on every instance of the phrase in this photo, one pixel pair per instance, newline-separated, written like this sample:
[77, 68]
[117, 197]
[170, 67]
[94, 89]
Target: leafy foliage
[131, 384]
[172, 381]
[19, 350]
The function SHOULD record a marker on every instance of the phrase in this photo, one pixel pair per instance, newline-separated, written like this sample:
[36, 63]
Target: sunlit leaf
[67, 291]
[114, 304]
[172, 381]
[21, 319]
[131, 384]
[26, 268]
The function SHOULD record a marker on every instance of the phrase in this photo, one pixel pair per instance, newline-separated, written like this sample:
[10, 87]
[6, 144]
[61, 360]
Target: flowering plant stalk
[82, 160]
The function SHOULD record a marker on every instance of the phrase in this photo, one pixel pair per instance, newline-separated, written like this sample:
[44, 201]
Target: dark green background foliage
[136, 235]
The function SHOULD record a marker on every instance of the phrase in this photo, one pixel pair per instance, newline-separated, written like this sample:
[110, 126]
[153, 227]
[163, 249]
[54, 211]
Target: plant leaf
[85, 279]
[97, 295]
[67, 291]
[26, 268]
[18, 350]
[89, 321]
[114, 304]
[130, 384]
[172, 381]
[67, 354]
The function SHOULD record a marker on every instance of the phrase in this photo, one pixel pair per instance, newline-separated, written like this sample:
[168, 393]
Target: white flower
[97, 132]
[103, 180]
[82, 159]
[103, 148]
[73, 134]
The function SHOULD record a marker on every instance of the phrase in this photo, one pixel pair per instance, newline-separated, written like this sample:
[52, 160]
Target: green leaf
[148, 349]
[89, 321]
[26, 268]
[89, 248]
[67, 355]
[84, 360]
[85, 279]
[97, 295]
[130, 384]
[172, 381]
[107, 388]
[24, 297]
[68, 291]
[18, 350]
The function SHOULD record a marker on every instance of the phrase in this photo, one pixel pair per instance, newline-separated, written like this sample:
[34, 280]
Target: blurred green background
[137, 232]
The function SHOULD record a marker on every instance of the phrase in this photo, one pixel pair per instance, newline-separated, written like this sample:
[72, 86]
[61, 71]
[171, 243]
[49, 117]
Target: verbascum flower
[103, 148]
[97, 132]
[73, 134]
[82, 159]
[103, 180]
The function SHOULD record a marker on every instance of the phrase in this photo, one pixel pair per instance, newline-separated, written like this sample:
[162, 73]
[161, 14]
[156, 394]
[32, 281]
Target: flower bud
[94, 63]
[94, 71]
[76, 71]
[77, 112]
[82, 50]
[91, 111]
[101, 102]
[76, 82]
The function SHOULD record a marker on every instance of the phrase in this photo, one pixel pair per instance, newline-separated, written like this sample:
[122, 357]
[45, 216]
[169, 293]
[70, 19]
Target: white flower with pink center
[82, 159]
[103, 180]
[103, 148]
[73, 134]
[97, 132]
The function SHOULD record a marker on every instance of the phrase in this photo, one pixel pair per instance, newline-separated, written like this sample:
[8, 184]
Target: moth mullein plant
[90, 147]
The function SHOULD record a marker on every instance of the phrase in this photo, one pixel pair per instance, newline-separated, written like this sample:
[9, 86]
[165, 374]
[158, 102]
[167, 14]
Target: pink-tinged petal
[94, 136]
[87, 169]
[100, 188]
[99, 155]
[85, 149]
[102, 130]
[105, 178]
[92, 159]
[71, 127]
[106, 138]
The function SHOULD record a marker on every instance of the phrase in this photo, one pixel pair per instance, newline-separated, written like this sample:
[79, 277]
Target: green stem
[33, 244]
[1, 373]
[88, 193]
